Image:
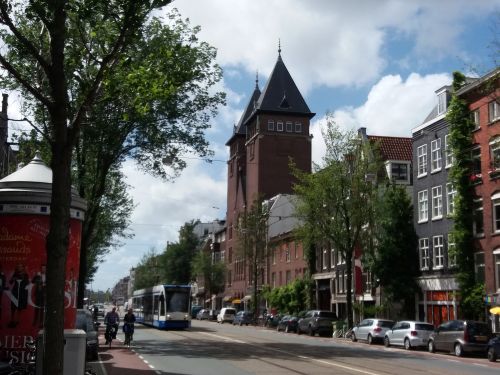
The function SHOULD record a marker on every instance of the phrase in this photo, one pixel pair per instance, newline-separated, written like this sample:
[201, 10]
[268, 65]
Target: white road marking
[223, 338]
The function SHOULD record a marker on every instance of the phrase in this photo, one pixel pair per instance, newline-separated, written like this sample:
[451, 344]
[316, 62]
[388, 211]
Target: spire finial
[257, 79]
[279, 47]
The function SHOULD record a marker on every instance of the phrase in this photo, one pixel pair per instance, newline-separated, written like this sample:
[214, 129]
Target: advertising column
[24, 225]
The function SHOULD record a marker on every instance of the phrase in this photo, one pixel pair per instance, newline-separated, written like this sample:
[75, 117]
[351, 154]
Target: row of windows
[329, 259]
[436, 202]
[436, 252]
[287, 126]
[285, 253]
[288, 277]
[480, 266]
[493, 114]
[478, 218]
[436, 159]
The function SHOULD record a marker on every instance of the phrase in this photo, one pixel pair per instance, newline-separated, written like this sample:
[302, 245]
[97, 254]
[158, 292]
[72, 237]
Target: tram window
[155, 308]
[162, 305]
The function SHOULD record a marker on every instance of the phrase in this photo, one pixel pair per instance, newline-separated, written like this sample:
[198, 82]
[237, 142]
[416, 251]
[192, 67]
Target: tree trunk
[57, 245]
[348, 264]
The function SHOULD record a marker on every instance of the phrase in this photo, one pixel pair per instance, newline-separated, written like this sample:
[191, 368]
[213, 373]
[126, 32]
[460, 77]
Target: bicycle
[128, 329]
[348, 334]
[110, 333]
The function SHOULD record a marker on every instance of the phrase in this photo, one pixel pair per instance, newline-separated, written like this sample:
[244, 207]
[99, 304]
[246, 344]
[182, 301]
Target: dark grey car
[460, 337]
[317, 321]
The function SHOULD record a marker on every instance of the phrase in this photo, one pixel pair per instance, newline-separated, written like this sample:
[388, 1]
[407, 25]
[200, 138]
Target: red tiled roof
[393, 148]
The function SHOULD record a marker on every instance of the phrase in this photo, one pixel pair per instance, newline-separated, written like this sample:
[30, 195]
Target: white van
[226, 315]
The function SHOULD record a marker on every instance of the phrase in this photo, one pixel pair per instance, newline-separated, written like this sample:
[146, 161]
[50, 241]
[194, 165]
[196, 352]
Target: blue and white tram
[163, 306]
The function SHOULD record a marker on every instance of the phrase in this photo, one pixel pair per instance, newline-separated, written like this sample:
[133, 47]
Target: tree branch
[36, 93]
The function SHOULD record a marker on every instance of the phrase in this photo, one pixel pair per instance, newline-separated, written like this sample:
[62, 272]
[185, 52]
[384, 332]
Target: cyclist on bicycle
[128, 326]
[111, 320]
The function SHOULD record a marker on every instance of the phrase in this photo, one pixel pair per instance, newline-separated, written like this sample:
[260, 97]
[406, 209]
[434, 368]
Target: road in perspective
[219, 349]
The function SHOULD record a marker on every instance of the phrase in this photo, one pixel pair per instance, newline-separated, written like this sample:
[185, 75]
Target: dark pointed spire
[279, 49]
[257, 79]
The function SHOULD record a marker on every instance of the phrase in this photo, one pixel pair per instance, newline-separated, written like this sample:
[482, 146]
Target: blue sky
[371, 63]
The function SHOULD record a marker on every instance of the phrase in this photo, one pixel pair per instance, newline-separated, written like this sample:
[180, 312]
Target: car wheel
[492, 357]
[298, 331]
[287, 329]
[353, 337]
[278, 328]
[370, 339]
[431, 347]
[407, 344]
[459, 352]
[311, 331]
[387, 343]
[241, 324]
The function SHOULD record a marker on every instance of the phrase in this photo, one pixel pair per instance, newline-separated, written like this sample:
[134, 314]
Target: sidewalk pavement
[119, 359]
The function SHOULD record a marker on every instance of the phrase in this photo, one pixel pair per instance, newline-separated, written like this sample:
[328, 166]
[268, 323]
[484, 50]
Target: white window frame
[270, 125]
[325, 259]
[451, 192]
[422, 160]
[298, 127]
[493, 111]
[437, 202]
[287, 254]
[423, 252]
[496, 257]
[436, 160]
[332, 258]
[389, 166]
[437, 252]
[495, 204]
[495, 154]
[478, 210]
[289, 127]
[340, 258]
[423, 206]
[476, 118]
[452, 258]
[441, 103]
[448, 152]
[279, 126]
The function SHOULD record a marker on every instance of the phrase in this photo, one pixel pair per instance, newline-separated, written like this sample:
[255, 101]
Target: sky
[370, 63]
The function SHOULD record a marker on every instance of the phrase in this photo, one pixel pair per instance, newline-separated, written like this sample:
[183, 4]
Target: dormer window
[399, 172]
[441, 103]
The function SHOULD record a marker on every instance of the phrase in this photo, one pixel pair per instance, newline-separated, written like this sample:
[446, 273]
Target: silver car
[409, 334]
[371, 330]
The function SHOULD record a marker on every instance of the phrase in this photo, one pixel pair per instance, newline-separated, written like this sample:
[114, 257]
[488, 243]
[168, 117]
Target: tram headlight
[168, 316]
[186, 316]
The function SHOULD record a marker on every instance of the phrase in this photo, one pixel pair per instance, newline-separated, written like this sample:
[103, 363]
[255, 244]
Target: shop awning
[236, 301]
[495, 310]
[247, 298]
[227, 298]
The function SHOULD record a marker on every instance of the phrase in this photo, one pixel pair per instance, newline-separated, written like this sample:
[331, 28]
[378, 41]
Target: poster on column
[23, 288]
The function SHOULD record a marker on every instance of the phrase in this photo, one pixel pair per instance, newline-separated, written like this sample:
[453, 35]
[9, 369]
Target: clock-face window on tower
[270, 125]
[279, 126]
[298, 127]
[289, 126]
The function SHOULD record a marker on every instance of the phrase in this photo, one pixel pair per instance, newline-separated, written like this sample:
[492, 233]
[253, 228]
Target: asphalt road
[211, 348]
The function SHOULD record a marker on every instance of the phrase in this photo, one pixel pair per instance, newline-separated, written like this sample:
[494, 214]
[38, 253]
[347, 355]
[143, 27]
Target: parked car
[243, 317]
[371, 330]
[271, 320]
[194, 310]
[317, 321]
[213, 314]
[226, 315]
[288, 324]
[460, 337]
[408, 333]
[493, 349]
[85, 322]
[203, 314]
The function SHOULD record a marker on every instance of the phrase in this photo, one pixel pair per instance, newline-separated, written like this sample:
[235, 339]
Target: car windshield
[385, 323]
[327, 314]
[230, 311]
[424, 327]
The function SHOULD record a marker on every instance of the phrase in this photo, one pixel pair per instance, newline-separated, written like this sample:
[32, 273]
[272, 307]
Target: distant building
[273, 129]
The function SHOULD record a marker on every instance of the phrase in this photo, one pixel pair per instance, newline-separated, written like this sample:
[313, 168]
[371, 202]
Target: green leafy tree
[211, 272]
[45, 43]
[253, 249]
[334, 202]
[395, 260]
[289, 298]
[153, 107]
[177, 259]
[148, 271]
[461, 141]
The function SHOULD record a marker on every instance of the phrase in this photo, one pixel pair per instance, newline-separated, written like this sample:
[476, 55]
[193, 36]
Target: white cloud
[393, 107]
[345, 40]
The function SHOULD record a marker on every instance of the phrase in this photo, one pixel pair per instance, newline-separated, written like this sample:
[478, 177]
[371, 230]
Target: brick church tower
[273, 129]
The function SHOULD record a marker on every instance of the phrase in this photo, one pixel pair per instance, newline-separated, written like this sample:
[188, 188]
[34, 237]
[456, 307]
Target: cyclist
[111, 320]
[128, 326]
